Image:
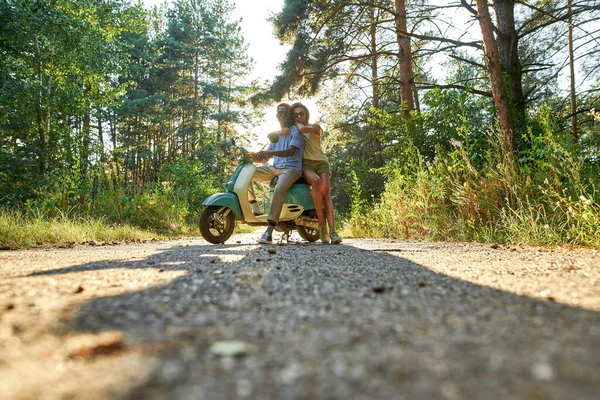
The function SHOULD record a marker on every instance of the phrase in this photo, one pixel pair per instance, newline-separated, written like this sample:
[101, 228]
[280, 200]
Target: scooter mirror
[273, 137]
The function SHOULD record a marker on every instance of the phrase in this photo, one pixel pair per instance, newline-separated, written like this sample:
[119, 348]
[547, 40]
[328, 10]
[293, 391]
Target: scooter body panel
[240, 188]
[299, 193]
[297, 199]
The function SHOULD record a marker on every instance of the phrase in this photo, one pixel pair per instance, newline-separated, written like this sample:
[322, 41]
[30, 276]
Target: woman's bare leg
[313, 179]
[326, 196]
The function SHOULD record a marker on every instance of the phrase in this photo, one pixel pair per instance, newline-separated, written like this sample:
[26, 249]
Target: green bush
[173, 205]
[187, 184]
[547, 197]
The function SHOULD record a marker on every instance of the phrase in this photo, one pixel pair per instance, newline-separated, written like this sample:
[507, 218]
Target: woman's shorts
[319, 167]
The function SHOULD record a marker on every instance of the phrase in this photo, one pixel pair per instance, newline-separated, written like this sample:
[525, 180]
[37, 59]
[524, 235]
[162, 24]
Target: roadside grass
[18, 230]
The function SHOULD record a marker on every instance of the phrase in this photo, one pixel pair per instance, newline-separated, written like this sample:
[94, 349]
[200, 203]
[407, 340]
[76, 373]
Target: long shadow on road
[342, 322]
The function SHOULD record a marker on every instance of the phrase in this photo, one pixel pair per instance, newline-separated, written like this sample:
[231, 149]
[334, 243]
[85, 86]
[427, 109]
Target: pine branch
[454, 86]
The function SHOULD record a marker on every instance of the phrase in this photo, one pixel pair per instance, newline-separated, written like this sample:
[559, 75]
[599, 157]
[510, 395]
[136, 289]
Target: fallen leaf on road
[231, 348]
[88, 346]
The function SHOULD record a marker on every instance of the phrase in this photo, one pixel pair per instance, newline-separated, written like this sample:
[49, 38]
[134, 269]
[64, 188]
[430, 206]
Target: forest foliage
[112, 111]
[435, 129]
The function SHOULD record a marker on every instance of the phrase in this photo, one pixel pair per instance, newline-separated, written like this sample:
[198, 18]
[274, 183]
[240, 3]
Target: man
[287, 164]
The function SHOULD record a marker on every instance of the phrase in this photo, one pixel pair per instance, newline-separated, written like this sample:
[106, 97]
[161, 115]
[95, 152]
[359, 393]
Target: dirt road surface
[368, 319]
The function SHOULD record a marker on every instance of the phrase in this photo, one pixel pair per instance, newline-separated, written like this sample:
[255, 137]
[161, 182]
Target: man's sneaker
[335, 238]
[265, 238]
[323, 234]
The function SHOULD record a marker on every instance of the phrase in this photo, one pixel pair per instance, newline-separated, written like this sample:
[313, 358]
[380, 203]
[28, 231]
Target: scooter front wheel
[216, 224]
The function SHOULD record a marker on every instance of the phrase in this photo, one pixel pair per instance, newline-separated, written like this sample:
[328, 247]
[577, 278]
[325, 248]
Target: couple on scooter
[297, 152]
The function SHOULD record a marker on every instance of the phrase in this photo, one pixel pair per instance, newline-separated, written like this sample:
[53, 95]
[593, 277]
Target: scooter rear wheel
[216, 224]
[308, 234]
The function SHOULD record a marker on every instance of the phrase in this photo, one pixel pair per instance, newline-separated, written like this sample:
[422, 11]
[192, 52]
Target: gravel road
[363, 320]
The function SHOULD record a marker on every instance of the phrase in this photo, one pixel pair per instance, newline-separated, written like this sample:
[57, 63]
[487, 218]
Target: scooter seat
[298, 181]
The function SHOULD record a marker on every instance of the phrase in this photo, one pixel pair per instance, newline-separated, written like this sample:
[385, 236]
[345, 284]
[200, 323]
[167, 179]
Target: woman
[317, 172]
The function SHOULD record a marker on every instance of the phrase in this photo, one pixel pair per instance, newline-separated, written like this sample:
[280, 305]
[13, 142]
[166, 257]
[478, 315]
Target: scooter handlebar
[243, 156]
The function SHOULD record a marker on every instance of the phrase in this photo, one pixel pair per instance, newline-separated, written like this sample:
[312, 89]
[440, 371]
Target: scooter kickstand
[287, 236]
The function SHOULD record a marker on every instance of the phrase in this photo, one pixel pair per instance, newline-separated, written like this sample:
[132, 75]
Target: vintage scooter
[223, 209]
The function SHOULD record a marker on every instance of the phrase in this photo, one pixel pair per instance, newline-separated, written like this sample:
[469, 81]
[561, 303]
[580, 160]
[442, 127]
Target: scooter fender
[226, 199]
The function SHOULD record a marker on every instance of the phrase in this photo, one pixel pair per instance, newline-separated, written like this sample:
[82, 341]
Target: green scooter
[223, 209]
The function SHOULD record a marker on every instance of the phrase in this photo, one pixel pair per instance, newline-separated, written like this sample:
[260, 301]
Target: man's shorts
[319, 167]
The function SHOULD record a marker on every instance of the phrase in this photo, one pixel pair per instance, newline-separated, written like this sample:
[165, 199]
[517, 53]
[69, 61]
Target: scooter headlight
[238, 155]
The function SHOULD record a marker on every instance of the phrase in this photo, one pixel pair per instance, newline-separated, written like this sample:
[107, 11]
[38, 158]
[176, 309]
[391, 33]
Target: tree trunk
[68, 141]
[172, 140]
[220, 99]
[113, 137]
[416, 97]
[51, 139]
[100, 133]
[495, 73]
[85, 142]
[99, 116]
[372, 129]
[41, 152]
[509, 59]
[229, 97]
[572, 68]
[195, 117]
[404, 58]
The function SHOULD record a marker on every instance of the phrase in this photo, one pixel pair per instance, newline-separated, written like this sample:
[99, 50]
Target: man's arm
[282, 131]
[296, 143]
[284, 153]
[266, 154]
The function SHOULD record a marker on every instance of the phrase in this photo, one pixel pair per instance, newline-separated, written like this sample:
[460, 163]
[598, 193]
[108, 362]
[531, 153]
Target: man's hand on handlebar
[262, 156]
